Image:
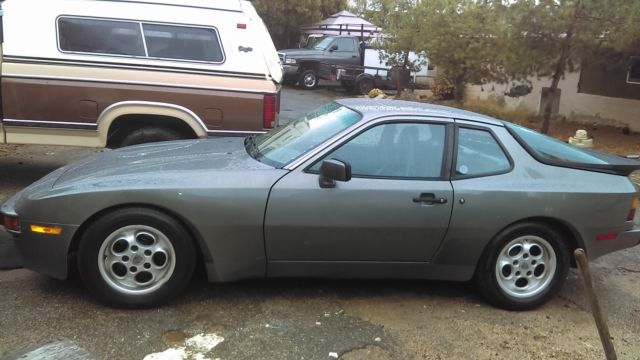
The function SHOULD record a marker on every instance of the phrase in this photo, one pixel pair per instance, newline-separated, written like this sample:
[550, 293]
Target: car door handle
[429, 198]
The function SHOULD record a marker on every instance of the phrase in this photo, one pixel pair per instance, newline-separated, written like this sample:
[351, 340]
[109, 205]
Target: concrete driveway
[303, 318]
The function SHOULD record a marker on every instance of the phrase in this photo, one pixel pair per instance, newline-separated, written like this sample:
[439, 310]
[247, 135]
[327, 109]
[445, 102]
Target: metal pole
[598, 316]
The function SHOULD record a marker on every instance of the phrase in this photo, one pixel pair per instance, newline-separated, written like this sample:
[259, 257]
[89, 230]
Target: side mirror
[333, 48]
[333, 170]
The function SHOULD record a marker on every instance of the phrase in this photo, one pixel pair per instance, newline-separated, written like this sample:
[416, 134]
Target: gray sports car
[357, 188]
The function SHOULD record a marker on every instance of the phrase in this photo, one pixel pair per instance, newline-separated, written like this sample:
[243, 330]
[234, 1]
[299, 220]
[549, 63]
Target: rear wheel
[523, 267]
[349, 86]
[136, 257]
[150, 134]
[308, 79]
[364, 85]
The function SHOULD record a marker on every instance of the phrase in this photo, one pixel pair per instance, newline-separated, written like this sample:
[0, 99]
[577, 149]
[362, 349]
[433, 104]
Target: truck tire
[364, 85]
[349, 86]
[308, 79]
[149, 134]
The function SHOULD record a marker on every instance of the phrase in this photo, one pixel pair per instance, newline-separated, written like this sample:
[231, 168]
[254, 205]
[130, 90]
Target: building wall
[573, 105]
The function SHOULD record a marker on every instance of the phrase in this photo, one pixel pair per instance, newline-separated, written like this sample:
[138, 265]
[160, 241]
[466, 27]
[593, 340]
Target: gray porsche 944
[356, 189]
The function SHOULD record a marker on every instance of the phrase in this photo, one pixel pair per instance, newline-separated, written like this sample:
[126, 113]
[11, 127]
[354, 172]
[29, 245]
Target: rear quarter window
[479, 154]
[547, 149]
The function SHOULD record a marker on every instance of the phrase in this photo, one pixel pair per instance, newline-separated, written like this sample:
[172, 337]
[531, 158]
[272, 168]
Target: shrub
[443, 88]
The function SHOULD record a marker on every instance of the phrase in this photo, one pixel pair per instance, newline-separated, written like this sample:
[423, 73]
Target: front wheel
[523, 267]
[136, 257]
[308, 79]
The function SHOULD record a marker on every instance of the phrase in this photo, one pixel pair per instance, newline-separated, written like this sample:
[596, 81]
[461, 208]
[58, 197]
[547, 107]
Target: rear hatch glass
[555, 152]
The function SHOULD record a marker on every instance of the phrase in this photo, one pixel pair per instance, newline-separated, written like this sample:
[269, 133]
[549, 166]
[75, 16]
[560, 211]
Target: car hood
[185, 155]
[301, 53]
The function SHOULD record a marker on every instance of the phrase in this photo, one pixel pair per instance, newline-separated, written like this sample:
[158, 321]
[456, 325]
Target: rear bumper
[624, 240]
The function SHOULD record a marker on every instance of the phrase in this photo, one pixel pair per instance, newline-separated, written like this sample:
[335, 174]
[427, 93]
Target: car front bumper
[43, 253]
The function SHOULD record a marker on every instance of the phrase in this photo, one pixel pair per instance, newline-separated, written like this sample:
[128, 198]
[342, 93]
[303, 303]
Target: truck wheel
[308, 79]
[364, 85]
[348, 86]
[149, 134]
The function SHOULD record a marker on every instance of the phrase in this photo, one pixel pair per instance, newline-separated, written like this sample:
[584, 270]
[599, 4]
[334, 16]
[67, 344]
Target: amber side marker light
[11, 223]
[632, 212]
[47, 230]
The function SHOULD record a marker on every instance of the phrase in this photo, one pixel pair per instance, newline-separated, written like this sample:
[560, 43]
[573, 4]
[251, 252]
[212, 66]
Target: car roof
[203, 4]
[374, 108]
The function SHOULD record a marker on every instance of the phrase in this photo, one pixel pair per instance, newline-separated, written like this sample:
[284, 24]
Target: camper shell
[114, 73]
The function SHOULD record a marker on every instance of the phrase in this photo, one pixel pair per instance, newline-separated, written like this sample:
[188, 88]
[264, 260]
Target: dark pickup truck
[304, 65]
[356, 65]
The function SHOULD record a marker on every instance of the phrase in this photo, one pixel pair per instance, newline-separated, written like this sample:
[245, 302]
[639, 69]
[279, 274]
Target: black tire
[150, 230]
[149, 134]
[290, 81]
[348, 86]
[364, 85]
[528, 278]
[308, 79]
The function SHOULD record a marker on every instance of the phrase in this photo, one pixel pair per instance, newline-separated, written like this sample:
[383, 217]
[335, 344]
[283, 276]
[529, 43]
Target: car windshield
[279, 147]
[323, 44]
[548, 148]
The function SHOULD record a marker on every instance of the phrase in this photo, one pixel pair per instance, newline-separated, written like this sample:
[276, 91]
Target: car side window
[100, 36]
[345, 45]
[479, 153]
[183, 42]
[394, 150]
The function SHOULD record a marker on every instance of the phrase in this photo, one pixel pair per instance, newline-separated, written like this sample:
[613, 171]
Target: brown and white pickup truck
[116, 73]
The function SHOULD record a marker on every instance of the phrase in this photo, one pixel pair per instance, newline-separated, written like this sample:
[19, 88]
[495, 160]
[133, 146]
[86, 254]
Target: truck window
[100, 36]
[345, 45]
[183, 42]
[160, 41]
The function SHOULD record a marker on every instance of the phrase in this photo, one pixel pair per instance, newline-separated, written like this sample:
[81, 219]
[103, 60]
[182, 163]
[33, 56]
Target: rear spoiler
[616, 165]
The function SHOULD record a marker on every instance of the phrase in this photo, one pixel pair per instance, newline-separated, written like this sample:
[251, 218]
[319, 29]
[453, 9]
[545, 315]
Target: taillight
[632, 212]
[11, 223]
[270, 111]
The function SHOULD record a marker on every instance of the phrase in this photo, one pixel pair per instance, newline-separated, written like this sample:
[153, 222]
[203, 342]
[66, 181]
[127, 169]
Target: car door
[343, 51]
[395, 208]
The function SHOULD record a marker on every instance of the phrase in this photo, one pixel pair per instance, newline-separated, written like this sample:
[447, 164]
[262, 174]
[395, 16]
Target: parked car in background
[357, 65]
[356, 189]
[116, 73]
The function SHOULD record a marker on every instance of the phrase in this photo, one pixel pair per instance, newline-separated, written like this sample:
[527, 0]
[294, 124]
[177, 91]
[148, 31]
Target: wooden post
[601, 324]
